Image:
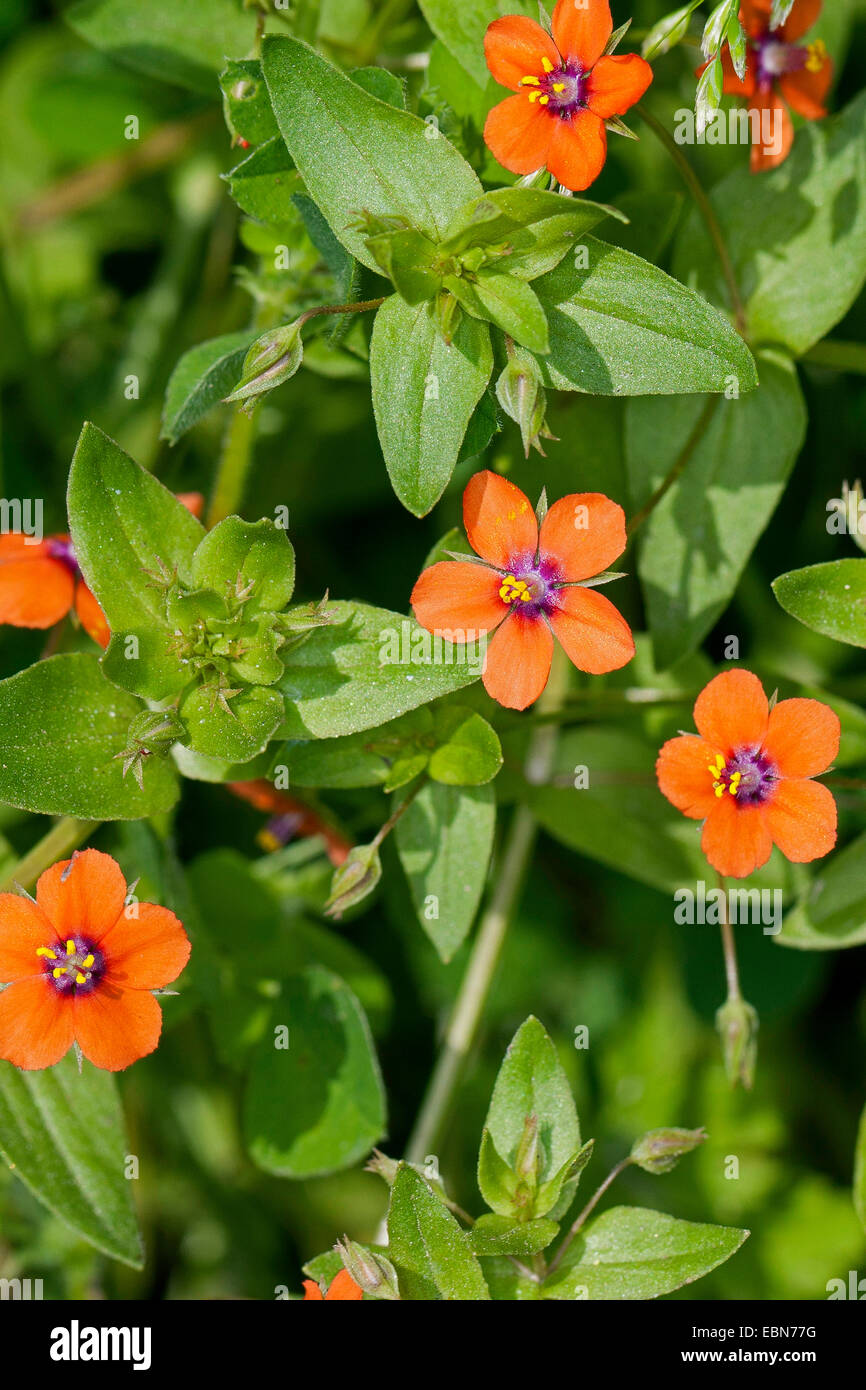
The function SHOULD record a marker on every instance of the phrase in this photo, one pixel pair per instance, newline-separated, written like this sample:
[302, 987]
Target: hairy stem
[468, 1007]
[63, 837]
[705, 208]
[234, 465]
[679, 465]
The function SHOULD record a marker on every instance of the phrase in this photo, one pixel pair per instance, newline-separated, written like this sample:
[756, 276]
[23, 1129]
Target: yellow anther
[47, 952]
[513, 589]
[80, 979]
[58, 973]
[534, 94]
[720, 791]
[70, 948]
[547, 65]
[542, 101]
[817, 56]
[88, 961]
[530, 82]
[559, 86]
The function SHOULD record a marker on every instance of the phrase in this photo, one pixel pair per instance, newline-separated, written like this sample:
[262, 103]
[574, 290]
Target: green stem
[679, 465]
[705, 208]
[234, 465]
[468, 1007]
[587, 1211]
[63, 837]
[729, 947]
[838, 356]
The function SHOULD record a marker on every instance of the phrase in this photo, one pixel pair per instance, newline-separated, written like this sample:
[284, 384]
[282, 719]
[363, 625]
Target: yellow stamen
[47, 952]
[513, 589]
[534, 95]
[87, 962]
[70, 948]
[58, 973]
[542, 101]
[559, 86]
[80, 979]
[547, 65]
[817, 56]
[530, 81]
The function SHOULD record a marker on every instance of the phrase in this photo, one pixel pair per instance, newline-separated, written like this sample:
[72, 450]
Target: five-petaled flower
[566, 88]
[530, 587]
[342, 1288]
[780, 73]
[40, 583]
[748, 775]
[80, 965]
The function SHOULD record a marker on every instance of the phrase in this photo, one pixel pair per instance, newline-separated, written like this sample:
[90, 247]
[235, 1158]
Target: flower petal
[91, 616]
[755, 16]
[807, 91]
[23, 929]
[344, 1289]
[578, 150]
[615, 84]
[518, 661]
[147, 951]
[458, 596]
[114, 1027]
[518, 133]
[736, 839]
[732, 712]
[803, 16]
[312, 1291]
[769, 156]
[514, 48]
[499, 519]
[802, 819]
[802, 737]
[581, 29]
[684, 777]
[88, 899]
[36, 1024]
[592, 631]
[584, 532]
[35, 589]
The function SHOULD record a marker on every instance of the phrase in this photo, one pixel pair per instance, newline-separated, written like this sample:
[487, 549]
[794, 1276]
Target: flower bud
[371, 1271]
[660, 1150]
[151, 731]
[737, 1024]
[356, 877]
[521, 394]
[271, 360]
[383, 1166]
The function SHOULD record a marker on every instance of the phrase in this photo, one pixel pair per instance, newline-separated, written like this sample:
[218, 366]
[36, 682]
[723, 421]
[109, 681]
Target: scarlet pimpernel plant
[431, 580]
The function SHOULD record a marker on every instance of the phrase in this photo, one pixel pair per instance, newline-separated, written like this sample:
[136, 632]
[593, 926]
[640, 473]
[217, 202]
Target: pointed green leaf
[429, 1251]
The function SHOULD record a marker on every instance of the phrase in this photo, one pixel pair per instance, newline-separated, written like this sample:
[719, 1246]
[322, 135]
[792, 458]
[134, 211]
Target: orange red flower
[780, 73]
[747, 774]
[40, 583]
[342, 1288]
[530, 587]
[289, 817]
[565, 88]
[79, 969]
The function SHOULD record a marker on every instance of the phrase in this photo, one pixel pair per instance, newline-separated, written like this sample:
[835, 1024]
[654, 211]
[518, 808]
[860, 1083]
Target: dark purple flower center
[62, 550]
[774, 58]
[73, 966]
[748, 775]
[560, 90]
[529, 585]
